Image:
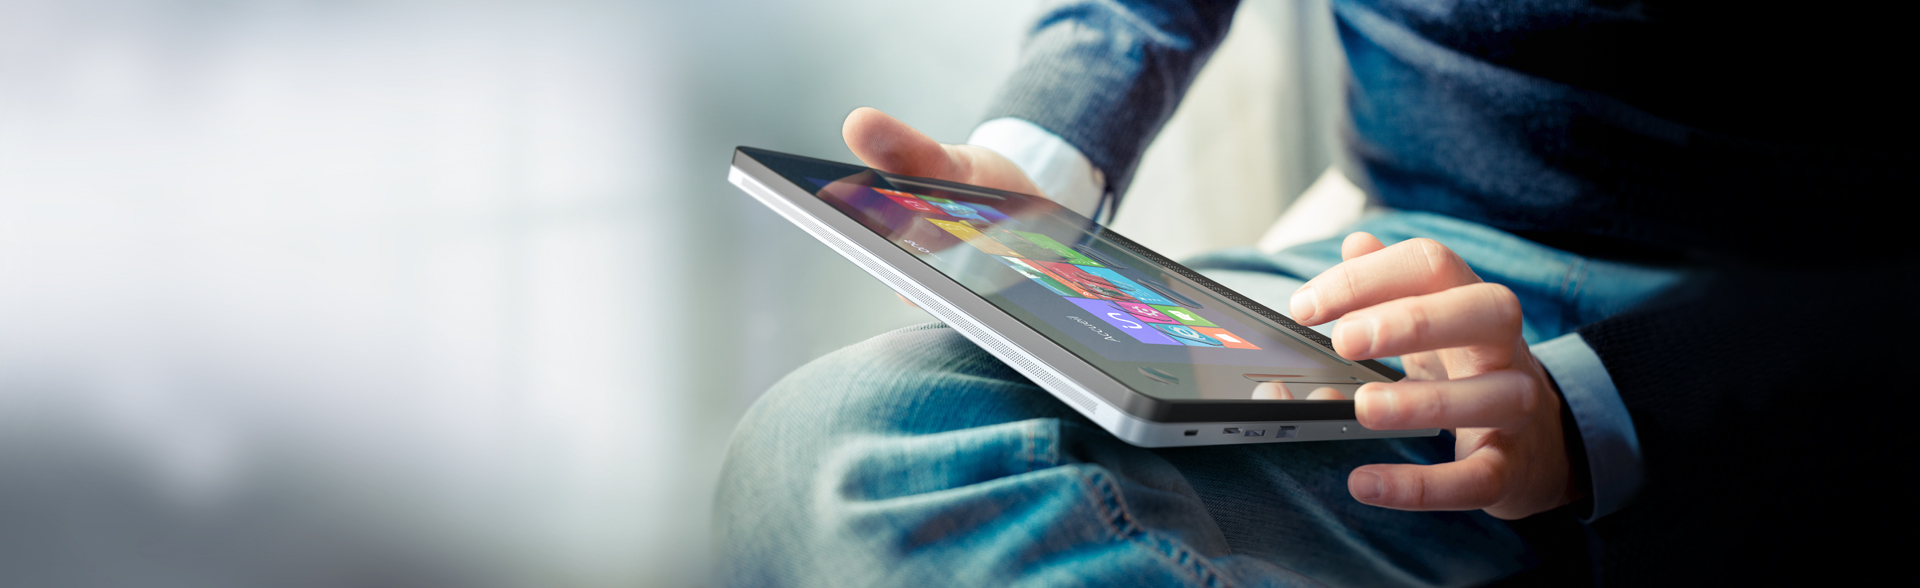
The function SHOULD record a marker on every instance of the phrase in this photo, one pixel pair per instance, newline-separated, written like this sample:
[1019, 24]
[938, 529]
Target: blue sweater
[1609, 128]
[1761, 145]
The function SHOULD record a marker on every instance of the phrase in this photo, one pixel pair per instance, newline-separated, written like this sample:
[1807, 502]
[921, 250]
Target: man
[1617, 246]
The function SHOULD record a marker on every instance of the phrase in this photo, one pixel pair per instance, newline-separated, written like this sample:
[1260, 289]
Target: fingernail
[1377, 406]
[1303, 304]
[1355, 335]
[1366, 486]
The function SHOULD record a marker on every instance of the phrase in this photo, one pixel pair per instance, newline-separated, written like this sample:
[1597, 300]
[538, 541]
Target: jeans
[916, 458]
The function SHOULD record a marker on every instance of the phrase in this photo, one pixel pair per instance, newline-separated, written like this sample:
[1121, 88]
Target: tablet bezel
[1083, 385]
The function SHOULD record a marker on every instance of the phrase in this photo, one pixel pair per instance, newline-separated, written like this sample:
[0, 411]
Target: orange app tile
[1226, 337]
[974, 238]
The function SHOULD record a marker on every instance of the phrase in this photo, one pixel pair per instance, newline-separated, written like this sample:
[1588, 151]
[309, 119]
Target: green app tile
[1050, 283]
[932, 199]
[1184, 315]
[1072, 256]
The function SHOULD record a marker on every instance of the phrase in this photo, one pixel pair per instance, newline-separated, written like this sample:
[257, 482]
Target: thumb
[886, 144]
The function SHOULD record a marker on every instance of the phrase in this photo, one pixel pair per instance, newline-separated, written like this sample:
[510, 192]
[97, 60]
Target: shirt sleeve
[1063, 173]
[1606, 430]
[1105, 75]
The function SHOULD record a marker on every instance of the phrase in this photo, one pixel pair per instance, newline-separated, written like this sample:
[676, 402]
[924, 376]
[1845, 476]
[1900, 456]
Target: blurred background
[435, 293]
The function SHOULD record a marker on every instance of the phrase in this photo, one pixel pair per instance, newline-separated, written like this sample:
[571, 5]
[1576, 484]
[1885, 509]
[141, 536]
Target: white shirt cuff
[1613, 448]
[1061, 171]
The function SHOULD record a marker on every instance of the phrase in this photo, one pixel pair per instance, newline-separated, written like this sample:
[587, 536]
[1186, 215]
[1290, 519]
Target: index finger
[886, 144]
[1408, 268]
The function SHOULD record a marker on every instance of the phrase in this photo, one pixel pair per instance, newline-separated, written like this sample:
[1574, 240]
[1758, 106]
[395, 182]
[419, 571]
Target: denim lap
[916, 458]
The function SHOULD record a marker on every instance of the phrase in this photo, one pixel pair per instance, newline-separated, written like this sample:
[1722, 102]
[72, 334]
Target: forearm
[1105, 76]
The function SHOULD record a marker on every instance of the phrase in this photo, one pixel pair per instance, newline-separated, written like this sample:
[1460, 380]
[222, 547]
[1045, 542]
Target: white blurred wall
[1258, 125]
[304, 292]
[432, 293]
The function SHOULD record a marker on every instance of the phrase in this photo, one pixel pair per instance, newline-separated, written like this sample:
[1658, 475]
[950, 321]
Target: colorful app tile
[1043, 240]
[992, 214]
[1079, 279]
[1169, 292]
[912, 203]
[1146, 313]
[1185, 316]
[1027, 249]
[1188, 336]
[1227, 337]
[960, 210]
[1132, 288]
[973, 237]
[1125, 322]
[917, 205]
[1071, 285]
[1038, 275]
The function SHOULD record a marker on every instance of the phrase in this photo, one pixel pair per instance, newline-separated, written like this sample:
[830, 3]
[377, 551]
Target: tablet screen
[1074, 282]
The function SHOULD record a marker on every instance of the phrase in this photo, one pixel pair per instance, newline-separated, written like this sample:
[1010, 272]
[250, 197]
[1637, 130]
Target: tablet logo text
[1096, 330]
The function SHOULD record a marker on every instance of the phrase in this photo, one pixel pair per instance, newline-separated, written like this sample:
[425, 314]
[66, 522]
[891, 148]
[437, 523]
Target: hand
[1279, 391]
[1467, 370]
[886, 144]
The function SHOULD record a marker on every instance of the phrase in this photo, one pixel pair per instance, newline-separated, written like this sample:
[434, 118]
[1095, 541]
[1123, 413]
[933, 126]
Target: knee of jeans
[915, 381]
[912, 381]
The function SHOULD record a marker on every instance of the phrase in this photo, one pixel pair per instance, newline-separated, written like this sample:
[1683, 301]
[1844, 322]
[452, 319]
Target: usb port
[1231, 430]
[1256, 432]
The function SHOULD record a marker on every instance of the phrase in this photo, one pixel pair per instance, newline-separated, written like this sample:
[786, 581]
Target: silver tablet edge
[1127, 427]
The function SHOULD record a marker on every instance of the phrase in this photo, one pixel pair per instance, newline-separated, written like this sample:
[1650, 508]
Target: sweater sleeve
[1106, 75]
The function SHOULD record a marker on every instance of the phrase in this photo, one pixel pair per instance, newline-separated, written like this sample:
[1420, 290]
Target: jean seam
[1121, 524]
[1568, 296]
[1568, 280]
[1033, 438]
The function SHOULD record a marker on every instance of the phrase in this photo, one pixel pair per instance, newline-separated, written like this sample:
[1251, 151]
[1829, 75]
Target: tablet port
[1192, 432]
[1231, 431]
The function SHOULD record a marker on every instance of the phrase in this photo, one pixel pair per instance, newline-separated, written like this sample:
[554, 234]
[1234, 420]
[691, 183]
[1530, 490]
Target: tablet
[1152, 351]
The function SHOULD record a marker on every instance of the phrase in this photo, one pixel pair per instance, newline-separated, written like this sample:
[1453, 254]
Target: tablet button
[1297, 379]
[1159, 376]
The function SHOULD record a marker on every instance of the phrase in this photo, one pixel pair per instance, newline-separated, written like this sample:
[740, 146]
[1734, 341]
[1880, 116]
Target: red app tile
[1146, 313]
[907, 200]
[1079, 279]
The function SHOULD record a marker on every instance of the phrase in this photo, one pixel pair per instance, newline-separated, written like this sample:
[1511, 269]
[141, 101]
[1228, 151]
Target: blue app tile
[993, 215]
[1125, 322]
[960, 210]
[1132, 288]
